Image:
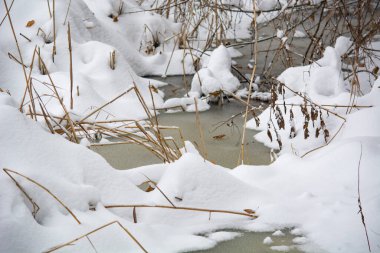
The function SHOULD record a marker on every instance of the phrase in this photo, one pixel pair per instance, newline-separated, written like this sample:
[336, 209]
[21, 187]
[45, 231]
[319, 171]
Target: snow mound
[217, 76]
[323, 77]
[86, 183]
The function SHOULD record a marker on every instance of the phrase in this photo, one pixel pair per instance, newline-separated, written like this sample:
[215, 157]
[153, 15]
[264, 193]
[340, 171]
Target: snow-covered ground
[53, 191]
[317, 194]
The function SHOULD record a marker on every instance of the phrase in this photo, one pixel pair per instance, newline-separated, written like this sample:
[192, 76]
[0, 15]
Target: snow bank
[85, 183]
[217, 76]
[323, 77]
[94, 37]
[322, 82]
[318, 194]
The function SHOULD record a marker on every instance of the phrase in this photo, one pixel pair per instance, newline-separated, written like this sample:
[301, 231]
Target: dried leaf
[30, 23]
[249, 211]
[154, 89]
[149, 189]
[219, 137]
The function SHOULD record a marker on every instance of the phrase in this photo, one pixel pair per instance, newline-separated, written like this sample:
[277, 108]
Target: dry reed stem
[101, 107]
[46, 119]
[324, 145]
[67, 12]
[113, 60]
[28, 87]
[160, 155]
[171, 55]
[158, 188]
[12, 57]
[17, 44]
[148, 140]
[150, 117]
[48, 5]
[334, 106]
[51, 117]
[155, 127]
[96, 230]
[359, 200]
[36, 208]
[25, 37]
[6, 14]
[45, 113]
[54, 33]
[70, 122]
[198, 122]
[71, 66]
[184, 208]
[311, 102]
[242, 144]
[45, 189]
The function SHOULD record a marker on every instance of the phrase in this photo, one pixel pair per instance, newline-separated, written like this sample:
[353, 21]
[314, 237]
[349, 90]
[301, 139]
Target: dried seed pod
[273, 96]
[279, 118]
[292, 125]
[375, 70]
[280, 89]
[306, 133]
[317, 132]
[305, 125]
[269, 133]
[327, 134]
[313, 114]
[257, 120]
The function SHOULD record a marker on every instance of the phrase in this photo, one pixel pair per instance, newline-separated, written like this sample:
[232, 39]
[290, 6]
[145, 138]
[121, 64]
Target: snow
[296, 231]
[300, 240]
[280, 33]
[323, 77]
[223, 236]
[317, 195]
[217, 76]
[281, 248]
[299, 34]
[278, 233]
[267, 240]
[82, 179]
[266, 5]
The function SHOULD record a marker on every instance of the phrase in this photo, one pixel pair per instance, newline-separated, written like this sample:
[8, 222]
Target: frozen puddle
[222, 143]
[250, 242]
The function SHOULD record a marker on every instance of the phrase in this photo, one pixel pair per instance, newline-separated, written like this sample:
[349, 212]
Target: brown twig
[45, 189]
[96, 230]
[359, 199]
[184, 208]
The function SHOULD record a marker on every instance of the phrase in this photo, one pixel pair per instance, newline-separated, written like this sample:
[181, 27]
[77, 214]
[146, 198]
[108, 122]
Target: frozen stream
[222, 146]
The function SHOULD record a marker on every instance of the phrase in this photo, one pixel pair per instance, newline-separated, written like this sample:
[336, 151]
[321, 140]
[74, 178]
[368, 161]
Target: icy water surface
[222, 143]
[252, 242]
